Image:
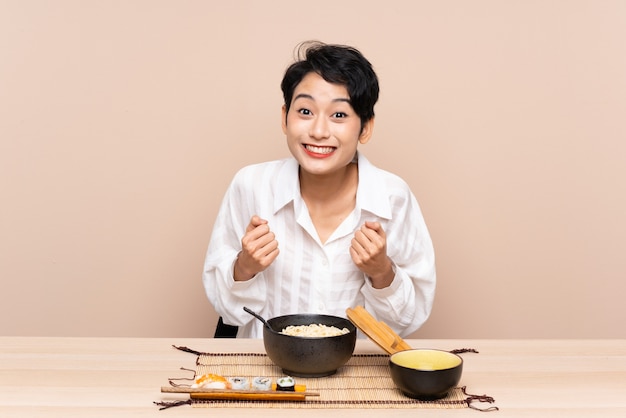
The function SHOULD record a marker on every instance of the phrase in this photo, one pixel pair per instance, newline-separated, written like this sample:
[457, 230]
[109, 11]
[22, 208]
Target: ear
[283, 121]
[366, 132]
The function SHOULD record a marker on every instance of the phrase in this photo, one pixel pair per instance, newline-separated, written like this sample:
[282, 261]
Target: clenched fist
[259, 249]
[368, 250]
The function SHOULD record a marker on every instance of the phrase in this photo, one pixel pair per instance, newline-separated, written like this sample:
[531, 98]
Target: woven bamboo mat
[363, 382]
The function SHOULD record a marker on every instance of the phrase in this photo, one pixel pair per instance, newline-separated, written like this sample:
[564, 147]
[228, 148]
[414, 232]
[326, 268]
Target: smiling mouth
[319, 150]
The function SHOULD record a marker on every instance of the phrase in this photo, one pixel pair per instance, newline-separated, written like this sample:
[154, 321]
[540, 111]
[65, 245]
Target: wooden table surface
[104, 377]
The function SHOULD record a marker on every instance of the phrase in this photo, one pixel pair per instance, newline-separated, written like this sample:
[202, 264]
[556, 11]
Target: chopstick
[272, 395]
[291, 396]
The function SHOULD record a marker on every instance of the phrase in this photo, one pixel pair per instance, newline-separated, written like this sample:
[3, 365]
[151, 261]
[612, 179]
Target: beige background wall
[122, 122]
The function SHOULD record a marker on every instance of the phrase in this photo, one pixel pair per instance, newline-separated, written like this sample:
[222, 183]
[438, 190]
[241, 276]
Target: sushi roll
[262, 383]
[286, 384]
[239, 383]
[210, 381]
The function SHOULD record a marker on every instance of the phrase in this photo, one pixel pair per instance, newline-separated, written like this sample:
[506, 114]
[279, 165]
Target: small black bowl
[425, 374]
[309, 356]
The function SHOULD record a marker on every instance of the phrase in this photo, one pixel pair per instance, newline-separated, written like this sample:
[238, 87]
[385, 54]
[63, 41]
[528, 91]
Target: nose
[319, 128]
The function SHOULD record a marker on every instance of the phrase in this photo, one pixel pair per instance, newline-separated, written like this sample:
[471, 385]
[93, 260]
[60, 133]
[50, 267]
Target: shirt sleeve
[227, 296]
[406, 304]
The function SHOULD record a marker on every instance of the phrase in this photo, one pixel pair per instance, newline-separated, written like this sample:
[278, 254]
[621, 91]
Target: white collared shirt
[311, 277]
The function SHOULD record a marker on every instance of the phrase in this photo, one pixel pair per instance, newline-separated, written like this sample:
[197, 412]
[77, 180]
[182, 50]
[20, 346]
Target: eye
[304, 111]
[340, 115]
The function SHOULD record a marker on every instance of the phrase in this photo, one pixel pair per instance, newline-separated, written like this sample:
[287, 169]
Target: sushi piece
[286, 384]
[211, 381]
[262, 383]
[239, 383]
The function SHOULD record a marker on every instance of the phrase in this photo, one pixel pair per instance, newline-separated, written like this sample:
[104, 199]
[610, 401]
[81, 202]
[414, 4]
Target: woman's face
[322, 129]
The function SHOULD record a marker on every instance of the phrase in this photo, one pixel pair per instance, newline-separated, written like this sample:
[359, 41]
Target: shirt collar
[372, 194]
[287, 184]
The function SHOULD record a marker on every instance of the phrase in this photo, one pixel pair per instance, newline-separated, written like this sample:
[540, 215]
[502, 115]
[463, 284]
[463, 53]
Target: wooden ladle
[377, 331]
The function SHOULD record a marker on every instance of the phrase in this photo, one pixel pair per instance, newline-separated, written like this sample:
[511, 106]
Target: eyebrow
[308, 96]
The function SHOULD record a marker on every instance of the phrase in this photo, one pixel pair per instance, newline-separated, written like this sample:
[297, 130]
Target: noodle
[313, 330]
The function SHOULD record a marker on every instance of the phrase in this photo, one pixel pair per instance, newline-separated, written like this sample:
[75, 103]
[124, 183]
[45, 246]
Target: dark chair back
[224, 330]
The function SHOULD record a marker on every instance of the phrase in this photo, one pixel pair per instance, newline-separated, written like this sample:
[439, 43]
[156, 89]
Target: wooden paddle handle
[377, 331]
[369, 327]
[398, 342]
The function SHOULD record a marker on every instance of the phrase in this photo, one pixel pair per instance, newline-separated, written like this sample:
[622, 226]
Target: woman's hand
[369, 253]
[259, 249]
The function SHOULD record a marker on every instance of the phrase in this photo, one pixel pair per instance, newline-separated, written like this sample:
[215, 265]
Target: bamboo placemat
[363, 382]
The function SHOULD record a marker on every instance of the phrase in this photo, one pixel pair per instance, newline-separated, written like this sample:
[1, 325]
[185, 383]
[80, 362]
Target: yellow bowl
[425, 373]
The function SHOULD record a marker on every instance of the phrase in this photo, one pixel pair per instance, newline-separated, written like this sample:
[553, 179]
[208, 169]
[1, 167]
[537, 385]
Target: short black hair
[337, 64]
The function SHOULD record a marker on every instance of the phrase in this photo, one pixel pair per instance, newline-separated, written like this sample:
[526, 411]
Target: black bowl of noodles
[309, 350]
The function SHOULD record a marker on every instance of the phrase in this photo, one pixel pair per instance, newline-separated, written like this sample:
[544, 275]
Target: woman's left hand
[369, 253]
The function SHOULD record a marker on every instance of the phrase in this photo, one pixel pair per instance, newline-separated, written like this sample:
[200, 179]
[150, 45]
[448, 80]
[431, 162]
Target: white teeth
[319, 150]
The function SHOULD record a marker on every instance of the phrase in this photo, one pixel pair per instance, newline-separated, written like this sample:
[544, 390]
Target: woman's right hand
[259, 249]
